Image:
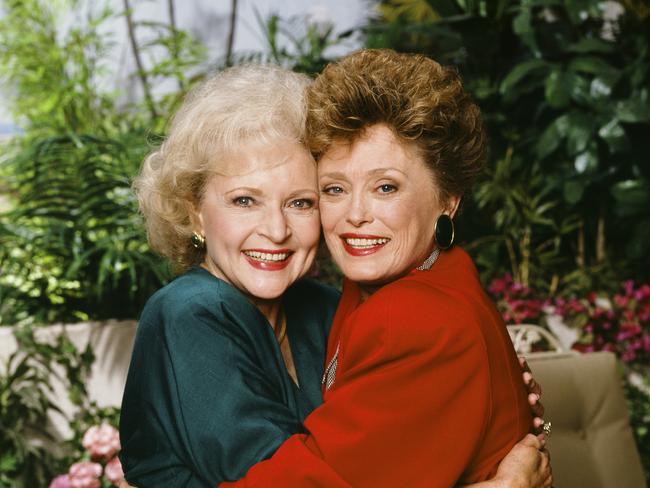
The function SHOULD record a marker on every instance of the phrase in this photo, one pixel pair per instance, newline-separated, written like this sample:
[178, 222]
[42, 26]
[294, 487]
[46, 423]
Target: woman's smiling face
[378, 206]
[261, 225]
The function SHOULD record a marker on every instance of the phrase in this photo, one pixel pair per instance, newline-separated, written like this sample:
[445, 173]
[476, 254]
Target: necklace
[282, 333]
[428, 262]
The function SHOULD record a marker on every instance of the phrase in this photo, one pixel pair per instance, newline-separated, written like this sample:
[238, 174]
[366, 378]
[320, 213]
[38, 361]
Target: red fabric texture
[427, 393]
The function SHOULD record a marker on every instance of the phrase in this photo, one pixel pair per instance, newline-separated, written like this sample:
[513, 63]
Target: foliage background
[565, 206]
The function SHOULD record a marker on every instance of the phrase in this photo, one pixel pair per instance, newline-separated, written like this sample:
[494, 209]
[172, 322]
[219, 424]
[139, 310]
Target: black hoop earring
[444, 231]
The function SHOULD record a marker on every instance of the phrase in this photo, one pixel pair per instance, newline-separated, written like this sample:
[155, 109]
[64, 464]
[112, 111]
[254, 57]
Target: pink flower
[628, 356]
[646, 343]
[61, 481]
[608, 347]
[113, 471]
[85, 475]
[102, 442]
[499, 285]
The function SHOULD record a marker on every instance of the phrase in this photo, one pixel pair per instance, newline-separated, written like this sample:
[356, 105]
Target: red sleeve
[408, 406]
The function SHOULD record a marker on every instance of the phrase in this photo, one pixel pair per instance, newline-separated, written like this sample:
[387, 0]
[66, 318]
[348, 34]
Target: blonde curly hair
[248, 104]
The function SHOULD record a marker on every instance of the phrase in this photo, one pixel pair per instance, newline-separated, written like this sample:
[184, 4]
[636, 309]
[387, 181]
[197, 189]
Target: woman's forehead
[254, 156]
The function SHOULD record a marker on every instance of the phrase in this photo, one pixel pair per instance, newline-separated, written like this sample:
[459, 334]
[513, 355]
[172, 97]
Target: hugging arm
[193, 404]
[393, 417]
[527, 465]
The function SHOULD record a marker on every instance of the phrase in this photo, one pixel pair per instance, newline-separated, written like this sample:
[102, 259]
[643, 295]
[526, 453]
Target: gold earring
[197, 240]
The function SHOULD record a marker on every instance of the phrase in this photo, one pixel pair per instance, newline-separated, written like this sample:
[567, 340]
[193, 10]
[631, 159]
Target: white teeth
[265, 256]
[366, 242]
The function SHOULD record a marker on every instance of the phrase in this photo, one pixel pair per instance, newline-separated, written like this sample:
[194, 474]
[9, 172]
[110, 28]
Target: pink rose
[61, 481]
[113, 471]
[85, 475]
[102, 442]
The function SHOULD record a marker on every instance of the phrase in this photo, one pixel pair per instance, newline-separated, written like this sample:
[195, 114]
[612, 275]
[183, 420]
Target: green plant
[72, 245]
[53, 75]
[24, 404]
[75, 222]
[26, 393]
[579, 97]
[297, 43]
[522, 212]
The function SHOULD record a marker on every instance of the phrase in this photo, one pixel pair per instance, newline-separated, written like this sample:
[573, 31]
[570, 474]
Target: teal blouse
[208, 394]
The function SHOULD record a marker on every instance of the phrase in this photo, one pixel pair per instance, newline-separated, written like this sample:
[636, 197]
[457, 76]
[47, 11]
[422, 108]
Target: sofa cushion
[591, 444]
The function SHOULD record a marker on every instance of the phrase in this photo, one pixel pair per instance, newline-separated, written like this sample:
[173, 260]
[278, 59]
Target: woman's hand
[534, 394]
[527, 465]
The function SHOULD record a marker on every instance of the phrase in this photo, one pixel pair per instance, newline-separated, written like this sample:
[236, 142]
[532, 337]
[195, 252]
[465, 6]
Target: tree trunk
[524, 250]
[231, 33]
[600, 238]
[514, 266]
[174, 45]
[136, 54]
[580, 257]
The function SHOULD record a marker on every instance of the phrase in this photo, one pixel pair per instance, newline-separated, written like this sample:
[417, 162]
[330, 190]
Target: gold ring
[546, 428]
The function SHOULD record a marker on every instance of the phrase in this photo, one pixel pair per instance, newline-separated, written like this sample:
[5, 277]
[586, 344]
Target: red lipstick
[362, 251]
[268, 265]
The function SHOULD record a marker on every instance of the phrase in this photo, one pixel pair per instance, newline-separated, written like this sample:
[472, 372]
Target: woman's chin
[365, 275]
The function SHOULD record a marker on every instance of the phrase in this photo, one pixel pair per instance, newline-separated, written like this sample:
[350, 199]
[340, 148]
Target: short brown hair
[420, 100]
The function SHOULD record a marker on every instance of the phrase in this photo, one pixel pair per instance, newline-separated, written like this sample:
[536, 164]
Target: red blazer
[424, 391]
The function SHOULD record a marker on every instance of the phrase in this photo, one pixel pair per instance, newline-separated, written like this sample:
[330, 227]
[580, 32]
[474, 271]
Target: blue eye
[386, 188]
[332, 190]
[302, 203]
[243, 201]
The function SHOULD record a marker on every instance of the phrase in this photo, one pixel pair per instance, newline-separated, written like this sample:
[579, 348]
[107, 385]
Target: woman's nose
[359, 212]
[275, 225]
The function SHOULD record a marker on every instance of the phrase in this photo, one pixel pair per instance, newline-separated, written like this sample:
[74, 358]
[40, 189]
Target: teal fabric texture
[208, 394]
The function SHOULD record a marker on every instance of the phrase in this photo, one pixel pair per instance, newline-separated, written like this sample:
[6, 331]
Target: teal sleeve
[200, 406]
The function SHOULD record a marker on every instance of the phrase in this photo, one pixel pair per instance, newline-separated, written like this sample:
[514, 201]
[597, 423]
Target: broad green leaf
[595, 66]
[580, 90]
[558, 88]
[599, 88]
[552, 136]
[633, 111]
[579, 132]
[614, 134]
[591, 45]
[521, 71]
[573, 191]
[522, 26]
[632, 196]
[586, 161]
[581, 10]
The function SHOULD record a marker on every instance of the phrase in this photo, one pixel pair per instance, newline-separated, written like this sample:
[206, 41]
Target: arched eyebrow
[335, 175]
[341, 176]
[385, 170]
[245, 189]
